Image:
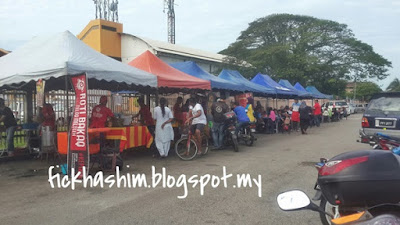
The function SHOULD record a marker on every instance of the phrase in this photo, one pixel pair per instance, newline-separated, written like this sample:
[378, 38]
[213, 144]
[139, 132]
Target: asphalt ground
[282, 162]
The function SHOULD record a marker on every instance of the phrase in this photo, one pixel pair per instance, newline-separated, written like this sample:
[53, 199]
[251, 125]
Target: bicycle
[186, 148]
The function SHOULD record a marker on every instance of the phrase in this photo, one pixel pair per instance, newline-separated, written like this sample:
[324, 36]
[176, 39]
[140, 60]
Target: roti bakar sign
[78, 147]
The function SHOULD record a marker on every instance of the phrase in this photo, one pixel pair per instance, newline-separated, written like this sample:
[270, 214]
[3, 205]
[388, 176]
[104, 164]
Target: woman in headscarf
[164, 131]
[305, 112]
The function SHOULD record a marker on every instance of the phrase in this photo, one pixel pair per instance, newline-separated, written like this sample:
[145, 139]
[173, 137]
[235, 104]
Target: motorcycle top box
[361, 178]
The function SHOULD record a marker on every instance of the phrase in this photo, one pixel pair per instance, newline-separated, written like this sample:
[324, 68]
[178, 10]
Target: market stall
[268, 82]
[237, 78]
[57, 59]
[300, 94]
[217, 83]
[168, 77]
[313, 90]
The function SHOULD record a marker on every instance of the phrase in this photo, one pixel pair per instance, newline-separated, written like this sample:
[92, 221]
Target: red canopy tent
[168, 76]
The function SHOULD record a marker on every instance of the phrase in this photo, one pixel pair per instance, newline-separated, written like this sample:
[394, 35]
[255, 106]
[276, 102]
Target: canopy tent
[287, 84]
[300, 87]
[54, 57]
[266, 81]
[237, 78]
[193, 69]
[168, 77]
[315, 91]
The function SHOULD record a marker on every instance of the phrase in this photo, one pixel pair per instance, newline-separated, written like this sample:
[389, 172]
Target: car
[338, 104]
[382, 115]
[352, 108]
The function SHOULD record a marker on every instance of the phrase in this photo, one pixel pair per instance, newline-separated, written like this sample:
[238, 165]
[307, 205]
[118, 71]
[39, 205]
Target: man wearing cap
[100, 114]
[218, 109]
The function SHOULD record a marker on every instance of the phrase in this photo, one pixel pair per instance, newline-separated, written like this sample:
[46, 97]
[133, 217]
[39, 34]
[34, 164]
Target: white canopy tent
[54, 57]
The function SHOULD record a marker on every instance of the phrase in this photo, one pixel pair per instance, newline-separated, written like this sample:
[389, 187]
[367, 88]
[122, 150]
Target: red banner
[78, 148]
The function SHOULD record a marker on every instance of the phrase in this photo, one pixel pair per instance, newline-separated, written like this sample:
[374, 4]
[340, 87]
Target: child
[326, 115]
[286, 124]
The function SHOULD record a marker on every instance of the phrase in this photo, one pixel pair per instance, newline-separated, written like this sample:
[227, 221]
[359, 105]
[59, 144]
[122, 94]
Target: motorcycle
[230, 137]
[378, 214]
[246, 134]
[346, 181]
[384, 142]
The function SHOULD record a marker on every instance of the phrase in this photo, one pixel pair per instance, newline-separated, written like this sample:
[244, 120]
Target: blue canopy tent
[237, 78]
[193, 69]
[299, 87]
[268, 82]
[315, 91]
[301, 94]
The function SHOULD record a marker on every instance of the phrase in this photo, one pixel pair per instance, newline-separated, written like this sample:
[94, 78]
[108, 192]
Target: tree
[394, 85]
[365, 90]
[307, 50]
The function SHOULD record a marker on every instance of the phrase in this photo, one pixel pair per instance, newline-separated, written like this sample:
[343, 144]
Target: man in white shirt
[199, 121]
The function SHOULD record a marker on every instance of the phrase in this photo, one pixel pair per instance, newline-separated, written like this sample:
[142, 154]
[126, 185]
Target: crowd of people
[195, 114]
[167, 124]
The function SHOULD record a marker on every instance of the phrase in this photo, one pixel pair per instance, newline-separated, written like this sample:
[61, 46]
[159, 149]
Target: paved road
[283, 161]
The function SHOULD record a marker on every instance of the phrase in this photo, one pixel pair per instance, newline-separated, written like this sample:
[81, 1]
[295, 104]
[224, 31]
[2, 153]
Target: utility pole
[169, 5]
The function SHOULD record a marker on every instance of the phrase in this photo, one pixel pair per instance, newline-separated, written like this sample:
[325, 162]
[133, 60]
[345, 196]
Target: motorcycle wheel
[328, 207]
[250, 140]
[235, 144]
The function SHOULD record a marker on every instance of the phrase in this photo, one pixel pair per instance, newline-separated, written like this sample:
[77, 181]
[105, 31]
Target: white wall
[132, 47]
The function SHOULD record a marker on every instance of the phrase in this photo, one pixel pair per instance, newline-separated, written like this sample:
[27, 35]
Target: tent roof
[237, 78]
[268, 82]
[315, 91]
[300, 87]
[287, 84]
[193, 69]
[63, 54]
[168, 76]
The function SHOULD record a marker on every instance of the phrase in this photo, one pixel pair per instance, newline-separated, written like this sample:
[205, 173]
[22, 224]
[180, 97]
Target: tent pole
[157, 97]
[67, 102]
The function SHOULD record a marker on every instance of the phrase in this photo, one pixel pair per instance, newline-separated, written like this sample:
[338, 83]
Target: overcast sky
[205, 24]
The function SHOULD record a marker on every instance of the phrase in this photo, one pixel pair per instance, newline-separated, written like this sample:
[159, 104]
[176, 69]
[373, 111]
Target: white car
[338, 104]
[352, 108]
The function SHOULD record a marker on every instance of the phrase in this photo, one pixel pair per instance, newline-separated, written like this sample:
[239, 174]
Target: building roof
[169, 48]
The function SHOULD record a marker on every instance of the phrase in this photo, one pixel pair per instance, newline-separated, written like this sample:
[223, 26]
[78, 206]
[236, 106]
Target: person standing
[178, 113]
[218, 109]
[49, 117]
[7, 117]
[305, 112]
[199, 121]
[100, 114]
[250, 110]
[145, 115]
[317, 113]
[164, 132]
[296, 114]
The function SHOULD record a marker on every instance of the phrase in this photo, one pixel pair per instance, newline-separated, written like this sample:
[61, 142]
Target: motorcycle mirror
[293, 200]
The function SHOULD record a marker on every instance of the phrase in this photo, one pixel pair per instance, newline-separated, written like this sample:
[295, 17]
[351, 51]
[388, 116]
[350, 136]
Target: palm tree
[394, 85]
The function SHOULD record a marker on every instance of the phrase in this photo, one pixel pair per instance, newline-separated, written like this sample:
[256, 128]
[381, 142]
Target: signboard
[78, 147]
[40, 93]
